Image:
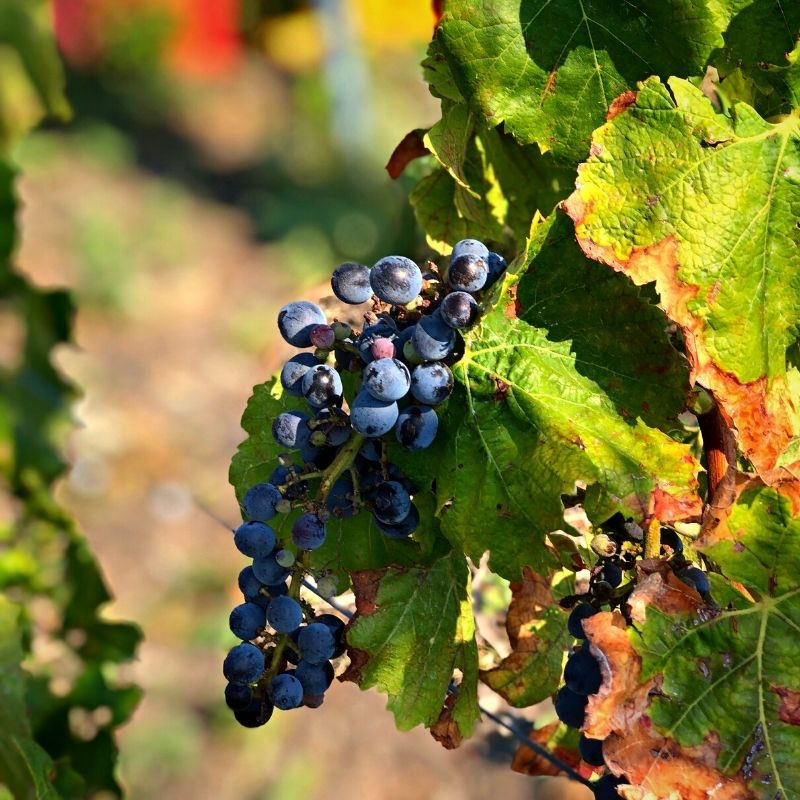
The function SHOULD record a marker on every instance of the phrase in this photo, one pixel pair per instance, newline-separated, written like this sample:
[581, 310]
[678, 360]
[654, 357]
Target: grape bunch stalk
[336, 462]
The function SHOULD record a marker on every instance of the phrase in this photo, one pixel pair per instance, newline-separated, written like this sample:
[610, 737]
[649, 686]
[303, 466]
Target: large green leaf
[414, 629]
[24, 767]
[528, 426]
[734, 676]
[705, 205]
[549, 69]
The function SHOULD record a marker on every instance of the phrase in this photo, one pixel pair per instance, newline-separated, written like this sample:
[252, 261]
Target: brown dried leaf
[657, 585]
[411, 147]
[662, 769]
[446, 730]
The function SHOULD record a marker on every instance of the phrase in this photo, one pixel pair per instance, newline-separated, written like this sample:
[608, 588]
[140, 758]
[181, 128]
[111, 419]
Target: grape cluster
[336, 464]
[618, 545]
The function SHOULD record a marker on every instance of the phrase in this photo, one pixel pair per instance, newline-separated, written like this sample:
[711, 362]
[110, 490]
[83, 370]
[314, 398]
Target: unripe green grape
[327, 586]
[285, 558]
[283, 506]
[603, 545]
[342, 331]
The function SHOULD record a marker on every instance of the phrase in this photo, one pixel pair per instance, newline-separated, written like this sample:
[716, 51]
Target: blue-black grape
[308, 532]
[284, 614]
[570, 707]
[290, 429]
[260, 501]
[269, 571]
[350, 283]
[431, 383]
[243, 664]
[670, 539]
[322, 337]
[696, 578]
[294, 370]
[295, 321]
[468, 272]
[336, 627]
[340, 500]
[387, 379]
[582, 672]
[322, 386]
[459, 310]
[469, 247]
[314, 678]
[238, 696]
[606, 787]
[433, 339]
[611, 574]
[334, 425]
[247, 620]
[371, 450]
[283, 476]
[254, 539]
[416, 427]
[396, 280]
[591, 751]
[578, 614]
[371, 417]
[250, 587]
[316, 643]
[402, 529]
[286, 692]
[256, 713]
[391, 502]
[497, 266]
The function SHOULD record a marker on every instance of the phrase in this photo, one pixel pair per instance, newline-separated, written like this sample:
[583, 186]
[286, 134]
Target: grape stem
[345, 457]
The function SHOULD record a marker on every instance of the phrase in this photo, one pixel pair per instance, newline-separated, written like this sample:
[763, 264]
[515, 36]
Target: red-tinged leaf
[411, 146]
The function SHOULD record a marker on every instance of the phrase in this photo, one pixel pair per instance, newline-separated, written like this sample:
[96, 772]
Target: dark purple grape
[286, 692]
[497, 266]
[416, 427]
[387, 379]
[570, 707]
[316, 643]
[670, 539]
[350, 283]
[606, 787]
[250, 587]
[468, 272]
[247, 619]
[696, 578]
[591, 751]
[238, 696]
[254, 539]
[611, 574]
[431, 383]
[290, 429]
[284, 614]
[340, 500]
[459, 310]
[371, 417]
[308, 532]
[391, 502]
[244, 664]
[396, 280]
[293, 371]
[582, 672]
[578, 614]
[322, 337]
[322, 386]
[432, 339]
[260, 501]
[402, 529]
[315, 678]
[296, 321]
[255, 714]
[269, 571]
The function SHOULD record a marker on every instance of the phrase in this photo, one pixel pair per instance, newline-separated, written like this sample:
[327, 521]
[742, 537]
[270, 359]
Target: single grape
[334, 424]
[316, 643]
[244, 664]
[315, 678]
[322, 386]
[293, 371]
[284, 614]
[341, 330]
[606, 787]
[383, 328]
[251, 587]
[247, 620]
[409, 352]
[396, 280]
[402, 529]
[308, 532]
[238, 696]
[286, 692]
[387, 379]
[582, 672]
[269, 571]
[431, 383]
[350, 283]
[670, 539]
[371, 450]
[340, 499]
[297, 319]
[382, 348]
[255, 714]
[416, 427]
[432, 339]
[469, 247]
[327, 586]
[285, 558]
[591, 751]
[578, 614]
[322, 337]
[290, 429]
[260, 501]
[459, 310]
[371, 417]
[254, 539]
[284, 476]
[391, 502]
[696, 578]
[497, 266]
[468, 272]
[611, 574]
[570, 707]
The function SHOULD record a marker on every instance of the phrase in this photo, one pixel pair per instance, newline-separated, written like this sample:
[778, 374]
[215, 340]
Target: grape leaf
[537, 630]
[24, 767]
[733, 676]
[549, 69]
[412, 630]
[530, 426]
[609, 321]
[727, 269]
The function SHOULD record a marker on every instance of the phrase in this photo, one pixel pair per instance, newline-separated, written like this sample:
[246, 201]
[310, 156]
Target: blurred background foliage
[222, 157]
